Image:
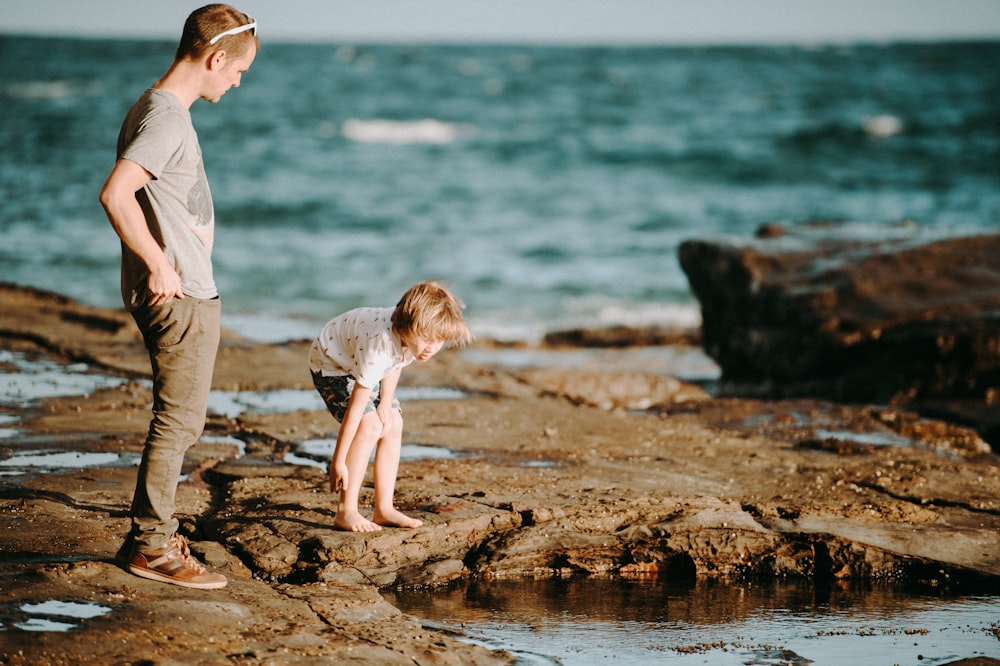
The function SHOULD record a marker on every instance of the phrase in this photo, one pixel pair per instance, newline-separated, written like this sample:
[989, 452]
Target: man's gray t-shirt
[157, 134]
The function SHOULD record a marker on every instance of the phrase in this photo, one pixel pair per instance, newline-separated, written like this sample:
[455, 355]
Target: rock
[810, 313]
[541, 483]
[622, 336]
[612, 390]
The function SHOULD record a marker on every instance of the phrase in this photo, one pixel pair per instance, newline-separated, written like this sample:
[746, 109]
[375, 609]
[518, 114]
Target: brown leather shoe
[124, 554]
[175, 565]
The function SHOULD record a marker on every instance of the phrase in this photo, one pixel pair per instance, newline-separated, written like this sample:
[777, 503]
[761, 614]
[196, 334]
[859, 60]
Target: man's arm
[128, 221]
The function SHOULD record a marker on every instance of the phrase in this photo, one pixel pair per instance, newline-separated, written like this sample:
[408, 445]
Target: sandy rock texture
[552, 472]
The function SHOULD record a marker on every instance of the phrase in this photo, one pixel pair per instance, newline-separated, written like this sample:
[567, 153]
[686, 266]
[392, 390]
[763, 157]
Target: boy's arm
[348, 430]
[126, 216]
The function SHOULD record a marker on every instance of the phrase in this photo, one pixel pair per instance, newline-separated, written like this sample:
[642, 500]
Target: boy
[367, 348]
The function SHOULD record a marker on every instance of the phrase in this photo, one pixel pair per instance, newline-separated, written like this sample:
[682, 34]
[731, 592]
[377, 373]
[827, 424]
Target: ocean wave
[49, 91]
[884, 125]
[402, 132]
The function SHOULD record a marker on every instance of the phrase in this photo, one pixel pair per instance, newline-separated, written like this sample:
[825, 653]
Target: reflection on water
[649, 621]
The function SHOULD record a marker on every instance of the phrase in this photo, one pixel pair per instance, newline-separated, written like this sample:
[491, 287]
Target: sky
[662, 22]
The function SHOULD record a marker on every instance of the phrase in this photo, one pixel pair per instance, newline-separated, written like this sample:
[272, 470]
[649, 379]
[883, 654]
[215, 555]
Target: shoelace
[180, 544]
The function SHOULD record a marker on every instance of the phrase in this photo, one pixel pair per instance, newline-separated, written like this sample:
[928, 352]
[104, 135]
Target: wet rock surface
[553, 473]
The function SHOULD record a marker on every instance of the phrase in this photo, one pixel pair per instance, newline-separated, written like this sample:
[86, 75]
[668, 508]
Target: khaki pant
[182, 338]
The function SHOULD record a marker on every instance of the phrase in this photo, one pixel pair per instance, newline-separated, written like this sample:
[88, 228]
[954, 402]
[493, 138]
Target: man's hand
[163, 286]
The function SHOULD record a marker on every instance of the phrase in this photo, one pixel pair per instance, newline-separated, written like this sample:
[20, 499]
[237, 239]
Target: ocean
[549, 186]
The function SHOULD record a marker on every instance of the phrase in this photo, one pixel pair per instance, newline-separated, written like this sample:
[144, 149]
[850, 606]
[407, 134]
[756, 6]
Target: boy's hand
[384, 413]
[338, 477]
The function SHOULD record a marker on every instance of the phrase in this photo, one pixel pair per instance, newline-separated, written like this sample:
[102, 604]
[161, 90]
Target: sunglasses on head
[251, 26]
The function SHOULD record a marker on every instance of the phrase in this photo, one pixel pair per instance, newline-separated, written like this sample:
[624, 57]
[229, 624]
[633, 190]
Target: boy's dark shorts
[336, 391]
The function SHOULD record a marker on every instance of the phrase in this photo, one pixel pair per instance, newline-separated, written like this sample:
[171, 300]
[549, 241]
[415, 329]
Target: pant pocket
[163, 326]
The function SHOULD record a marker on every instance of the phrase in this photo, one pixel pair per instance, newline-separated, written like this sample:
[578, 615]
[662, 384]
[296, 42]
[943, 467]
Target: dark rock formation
[809, 312]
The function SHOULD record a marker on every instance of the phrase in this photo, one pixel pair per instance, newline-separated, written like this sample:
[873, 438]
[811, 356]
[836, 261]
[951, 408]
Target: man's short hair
[209, 21]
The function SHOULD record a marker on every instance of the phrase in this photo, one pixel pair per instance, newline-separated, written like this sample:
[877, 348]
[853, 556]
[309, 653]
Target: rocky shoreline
[555, 472]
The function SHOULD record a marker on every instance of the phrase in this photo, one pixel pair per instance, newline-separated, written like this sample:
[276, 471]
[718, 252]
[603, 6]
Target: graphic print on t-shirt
[200, 206]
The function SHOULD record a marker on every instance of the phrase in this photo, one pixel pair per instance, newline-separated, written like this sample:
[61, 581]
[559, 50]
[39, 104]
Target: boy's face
[422, 348]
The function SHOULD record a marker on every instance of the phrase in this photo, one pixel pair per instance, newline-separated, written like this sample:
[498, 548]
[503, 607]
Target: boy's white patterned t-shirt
[359, 343]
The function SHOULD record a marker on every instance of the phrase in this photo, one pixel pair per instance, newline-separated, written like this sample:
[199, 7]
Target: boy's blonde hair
[428, 310]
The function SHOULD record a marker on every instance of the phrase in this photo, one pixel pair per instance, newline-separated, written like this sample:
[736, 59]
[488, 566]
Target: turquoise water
[549, 186]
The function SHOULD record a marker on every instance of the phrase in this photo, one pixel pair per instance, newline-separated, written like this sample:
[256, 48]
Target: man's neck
[182, 81]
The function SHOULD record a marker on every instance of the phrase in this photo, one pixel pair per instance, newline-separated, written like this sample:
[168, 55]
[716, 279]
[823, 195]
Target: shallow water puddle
[232, 404]
[241, 446]
[872, 438]
[685, 363]
[27, 379]
[43, 613]
[8, 419]
[585, 622]
[22, 462]
[317, 453]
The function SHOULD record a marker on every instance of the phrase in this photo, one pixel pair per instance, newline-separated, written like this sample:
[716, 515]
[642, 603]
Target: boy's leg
[386, 469]
[348, 517]
[336, 393]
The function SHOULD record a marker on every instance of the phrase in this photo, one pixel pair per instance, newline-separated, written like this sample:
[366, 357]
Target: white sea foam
[586, 312]
[401, 132]
[882, 126]
[40, 90]
[50, 91]
[679, 315]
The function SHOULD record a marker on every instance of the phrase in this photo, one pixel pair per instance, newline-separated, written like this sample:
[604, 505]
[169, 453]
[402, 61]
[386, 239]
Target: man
[158, 201]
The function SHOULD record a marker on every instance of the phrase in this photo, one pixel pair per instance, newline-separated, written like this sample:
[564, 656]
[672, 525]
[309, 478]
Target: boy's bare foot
[394, 518]
[354, 522]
